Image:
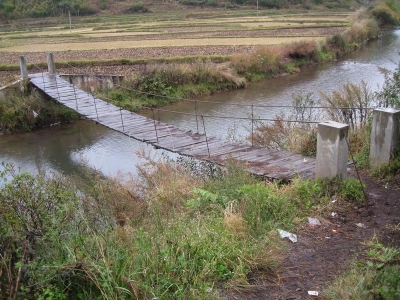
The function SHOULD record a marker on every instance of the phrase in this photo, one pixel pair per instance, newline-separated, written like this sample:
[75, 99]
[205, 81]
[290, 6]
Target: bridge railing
[339, 131]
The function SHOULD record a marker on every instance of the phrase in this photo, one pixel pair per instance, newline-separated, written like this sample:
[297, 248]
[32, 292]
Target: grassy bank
[374, 277]
[170, 235]
[26, 110]
[159, 84]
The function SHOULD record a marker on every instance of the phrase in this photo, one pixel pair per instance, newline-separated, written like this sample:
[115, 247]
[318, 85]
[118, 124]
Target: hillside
[45, 8]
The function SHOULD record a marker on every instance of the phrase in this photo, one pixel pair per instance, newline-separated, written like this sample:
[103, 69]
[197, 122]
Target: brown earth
[323, 252]
[11, 58]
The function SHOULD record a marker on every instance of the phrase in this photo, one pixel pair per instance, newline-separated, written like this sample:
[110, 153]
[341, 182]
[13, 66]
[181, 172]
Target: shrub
[138, 8]
[338, 43]
[302, 50]
[362, 31]
[18, 109]
[286, 134]
[385, 14]
[166, 80]
[271, 3]
[376, 277]
[389, 95]
[349, 104]
[263, 60]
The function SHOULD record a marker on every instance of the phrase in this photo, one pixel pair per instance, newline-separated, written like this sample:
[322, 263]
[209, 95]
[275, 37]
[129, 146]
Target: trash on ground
[313, 221]
[361, 225]
[285, 234]
[334, 200]
[333, 214]
[35, 114]
[313, 293]
[334, 231]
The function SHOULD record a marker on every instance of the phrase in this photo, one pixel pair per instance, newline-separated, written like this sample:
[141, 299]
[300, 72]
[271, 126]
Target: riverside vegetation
[171, 235]
[159, 84]
[182, 230]
[27, 109]
[169, 80]
[36, 9]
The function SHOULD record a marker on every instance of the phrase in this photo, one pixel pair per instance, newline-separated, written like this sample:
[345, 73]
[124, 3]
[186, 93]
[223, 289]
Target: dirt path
[322, 252]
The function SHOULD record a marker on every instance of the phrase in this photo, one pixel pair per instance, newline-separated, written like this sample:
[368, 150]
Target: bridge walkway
[271, 164]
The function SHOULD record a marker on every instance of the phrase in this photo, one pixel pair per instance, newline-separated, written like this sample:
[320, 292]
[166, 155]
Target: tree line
[45, 8]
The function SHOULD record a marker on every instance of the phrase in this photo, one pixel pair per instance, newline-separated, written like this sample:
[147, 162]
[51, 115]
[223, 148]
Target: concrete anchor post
[23, 67]
[384, 135]
[332, 150]
[50, 63]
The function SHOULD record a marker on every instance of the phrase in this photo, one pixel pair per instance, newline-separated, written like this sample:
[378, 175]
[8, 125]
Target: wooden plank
[260, 161]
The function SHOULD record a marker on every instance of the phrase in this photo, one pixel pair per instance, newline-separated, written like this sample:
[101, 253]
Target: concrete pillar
[332, 150]
[50, 63]
[23, 67]
[384, 135]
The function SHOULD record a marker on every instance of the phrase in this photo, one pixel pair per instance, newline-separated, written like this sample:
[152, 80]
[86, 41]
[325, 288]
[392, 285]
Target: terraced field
[150, 36]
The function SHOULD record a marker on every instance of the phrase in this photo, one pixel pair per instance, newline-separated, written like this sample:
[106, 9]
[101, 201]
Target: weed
[296, 137]
[377, 277]
[28, 110]
[388, 170]
[263, 61]
[352, 190]
[349, 104]
[388, 96]
[385, 14]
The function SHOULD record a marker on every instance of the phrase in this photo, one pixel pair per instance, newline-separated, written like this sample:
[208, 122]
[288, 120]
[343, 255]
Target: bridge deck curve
[271, 164]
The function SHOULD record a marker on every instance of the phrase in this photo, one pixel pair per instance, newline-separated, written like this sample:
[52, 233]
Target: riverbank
[24, 109]
[179, 234]
[161, 80]
[159, 84]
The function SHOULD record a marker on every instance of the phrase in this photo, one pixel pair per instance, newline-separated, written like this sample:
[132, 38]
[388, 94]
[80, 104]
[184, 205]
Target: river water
[327, 77]
[66, 148]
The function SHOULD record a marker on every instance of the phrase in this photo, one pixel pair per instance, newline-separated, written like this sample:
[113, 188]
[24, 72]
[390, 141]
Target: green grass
[169, 235]
[375, 277]
[17, 111]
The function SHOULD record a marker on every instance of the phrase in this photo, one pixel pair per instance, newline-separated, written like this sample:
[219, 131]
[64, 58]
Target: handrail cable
[219, 102]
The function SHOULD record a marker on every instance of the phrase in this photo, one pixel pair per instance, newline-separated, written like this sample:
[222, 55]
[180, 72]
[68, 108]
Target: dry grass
[155, 43]
[284, 24]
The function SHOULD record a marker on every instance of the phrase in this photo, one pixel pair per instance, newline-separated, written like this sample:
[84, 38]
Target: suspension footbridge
[271, 164]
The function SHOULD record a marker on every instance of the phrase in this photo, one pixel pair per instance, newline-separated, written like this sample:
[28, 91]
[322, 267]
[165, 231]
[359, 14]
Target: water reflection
[63, 148]
[66, 148]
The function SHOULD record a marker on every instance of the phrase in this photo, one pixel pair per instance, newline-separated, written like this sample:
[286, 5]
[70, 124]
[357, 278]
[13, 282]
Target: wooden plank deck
[271, 164]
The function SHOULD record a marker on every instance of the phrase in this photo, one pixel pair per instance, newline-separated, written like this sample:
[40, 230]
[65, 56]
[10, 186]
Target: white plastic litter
[313, 293]
[333, 214]
[361, 225]
[313, 221]
[285, 234]
[35, 114]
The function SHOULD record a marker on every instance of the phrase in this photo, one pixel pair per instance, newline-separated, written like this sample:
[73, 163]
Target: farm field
[187, 231]
[154, 36]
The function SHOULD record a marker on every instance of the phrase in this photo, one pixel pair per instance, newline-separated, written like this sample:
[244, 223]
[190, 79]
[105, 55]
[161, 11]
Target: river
[65, 149]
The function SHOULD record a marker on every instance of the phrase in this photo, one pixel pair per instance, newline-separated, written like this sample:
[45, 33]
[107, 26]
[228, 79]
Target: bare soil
[323, 252]
[12, 58]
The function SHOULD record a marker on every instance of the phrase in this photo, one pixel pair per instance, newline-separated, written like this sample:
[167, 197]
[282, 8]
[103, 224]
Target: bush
[18, 109]
[389, 95]
[285, 134]
[376, 277]
[271, 3]
[385, 15]
[263, 61]
[86, 10]
[138, 8]
[302, 50]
